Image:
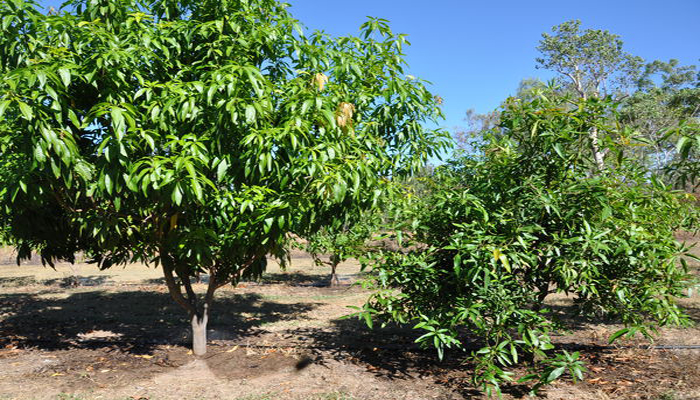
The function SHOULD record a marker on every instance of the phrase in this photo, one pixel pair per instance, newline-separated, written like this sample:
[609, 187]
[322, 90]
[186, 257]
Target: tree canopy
[196, 134]
[591, 62]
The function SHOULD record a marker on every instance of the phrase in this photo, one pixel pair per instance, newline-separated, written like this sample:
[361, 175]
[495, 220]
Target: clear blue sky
[476, 52]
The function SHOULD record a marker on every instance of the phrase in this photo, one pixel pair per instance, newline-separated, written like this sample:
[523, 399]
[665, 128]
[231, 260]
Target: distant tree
[668, 96]
[685, 169]
[334, 244]
[592, 63]
[470, 137]
[531, 88]
[197, 134]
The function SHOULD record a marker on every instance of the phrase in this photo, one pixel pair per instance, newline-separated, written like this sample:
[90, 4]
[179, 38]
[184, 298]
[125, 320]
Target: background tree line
[658, 102]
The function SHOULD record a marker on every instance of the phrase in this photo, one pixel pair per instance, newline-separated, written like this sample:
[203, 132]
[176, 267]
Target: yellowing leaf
[320, 80]
[173, 221]
[344, 114]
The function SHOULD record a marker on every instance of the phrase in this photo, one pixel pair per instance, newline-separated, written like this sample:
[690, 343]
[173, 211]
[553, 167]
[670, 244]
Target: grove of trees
[205, 136]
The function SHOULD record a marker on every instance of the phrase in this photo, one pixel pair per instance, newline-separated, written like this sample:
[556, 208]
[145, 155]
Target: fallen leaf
[105, 370]
[232, 349]
[57, 374]
[146, 356]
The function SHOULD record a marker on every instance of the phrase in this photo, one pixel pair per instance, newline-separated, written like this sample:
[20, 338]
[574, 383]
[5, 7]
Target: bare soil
[118, 335]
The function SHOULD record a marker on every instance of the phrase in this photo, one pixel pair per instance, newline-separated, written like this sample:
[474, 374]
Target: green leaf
[555, 373]
[221, 170]
[617, 335]
[118, 122]
[176, 195]
[65, 75]
[250, 114]
[74, 119]
[108, 183]
[27, 112]
[3, 107]
[197, 188]
[39, 153]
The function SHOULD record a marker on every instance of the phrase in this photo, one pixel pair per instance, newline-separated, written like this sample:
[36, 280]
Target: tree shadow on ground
[129, 319]
[294, 279]
[17, 281]
[69, 281]
[390, 352]
[693, 313]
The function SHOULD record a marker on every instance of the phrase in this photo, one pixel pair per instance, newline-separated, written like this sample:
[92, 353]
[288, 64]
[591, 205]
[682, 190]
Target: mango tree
[343, 240]
[528, 217]
[196, 135]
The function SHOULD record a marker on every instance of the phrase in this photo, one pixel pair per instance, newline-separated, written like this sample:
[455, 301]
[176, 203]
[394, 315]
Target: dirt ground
[118, 335]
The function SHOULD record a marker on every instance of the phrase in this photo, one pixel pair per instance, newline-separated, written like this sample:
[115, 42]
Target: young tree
[503, 230]
[342, 241]
[196, 134]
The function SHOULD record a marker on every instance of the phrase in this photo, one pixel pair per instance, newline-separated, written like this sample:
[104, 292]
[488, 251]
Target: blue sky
[476, 52]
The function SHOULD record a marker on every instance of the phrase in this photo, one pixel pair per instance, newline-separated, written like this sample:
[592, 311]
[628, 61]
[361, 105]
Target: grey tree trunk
[595, 146]
[334, 278]
[335, 260]
[199, 332]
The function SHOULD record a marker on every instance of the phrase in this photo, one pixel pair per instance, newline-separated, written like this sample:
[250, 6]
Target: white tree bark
[199, 332]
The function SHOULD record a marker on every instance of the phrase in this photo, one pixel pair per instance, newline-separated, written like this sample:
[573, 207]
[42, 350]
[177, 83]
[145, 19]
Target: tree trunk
[199, 316]
[334, 266]
[199, 332]
[595, 146]
[334, 279]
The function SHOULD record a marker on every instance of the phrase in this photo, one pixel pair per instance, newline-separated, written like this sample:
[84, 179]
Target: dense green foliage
[684, 169]
[196, 134]
[530, 217]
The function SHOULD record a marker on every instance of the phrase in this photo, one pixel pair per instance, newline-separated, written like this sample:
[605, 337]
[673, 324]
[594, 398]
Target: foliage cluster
[528, 218]
[196, 134]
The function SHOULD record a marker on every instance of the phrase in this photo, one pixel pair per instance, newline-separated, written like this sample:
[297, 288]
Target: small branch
[211, 288]
[191, 295]
[245, 266]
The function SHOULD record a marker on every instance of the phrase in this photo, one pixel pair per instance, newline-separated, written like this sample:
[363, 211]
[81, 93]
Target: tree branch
[173, 287]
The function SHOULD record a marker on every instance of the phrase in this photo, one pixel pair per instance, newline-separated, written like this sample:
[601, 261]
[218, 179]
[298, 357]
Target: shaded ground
[119, 336]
